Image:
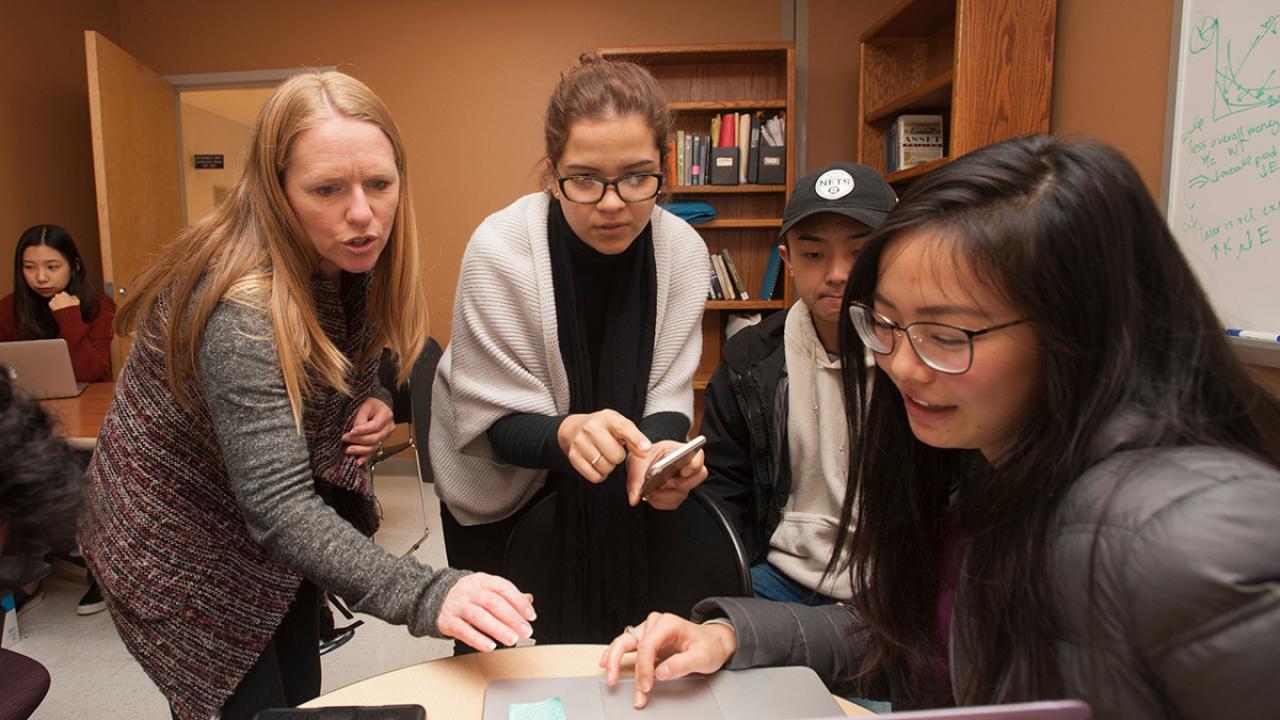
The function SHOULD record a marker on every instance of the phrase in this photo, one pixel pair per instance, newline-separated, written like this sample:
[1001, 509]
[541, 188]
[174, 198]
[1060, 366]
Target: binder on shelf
[724, 166]
[773, 165]
[753, 151]
[744, 144]
[771, 270]
[734, 277]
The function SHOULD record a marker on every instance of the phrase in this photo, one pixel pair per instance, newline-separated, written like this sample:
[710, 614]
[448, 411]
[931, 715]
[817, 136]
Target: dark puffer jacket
[1185, 617]
[745, 422]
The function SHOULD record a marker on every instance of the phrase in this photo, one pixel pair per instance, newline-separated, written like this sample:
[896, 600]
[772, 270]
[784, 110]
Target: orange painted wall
[46, 158]
[467, 82]
[834, 29]
[1111, 77]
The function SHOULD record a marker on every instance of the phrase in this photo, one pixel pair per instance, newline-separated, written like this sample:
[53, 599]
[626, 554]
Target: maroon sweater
[89, 342]
[194, 598]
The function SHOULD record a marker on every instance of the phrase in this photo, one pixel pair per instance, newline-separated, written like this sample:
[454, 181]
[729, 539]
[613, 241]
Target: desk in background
[453, 687]
[80, 417]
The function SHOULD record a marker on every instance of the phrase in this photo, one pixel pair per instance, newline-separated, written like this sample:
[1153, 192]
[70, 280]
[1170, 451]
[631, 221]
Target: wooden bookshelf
[989, 75]
[739, 223]
[702, 81]
[727, 105]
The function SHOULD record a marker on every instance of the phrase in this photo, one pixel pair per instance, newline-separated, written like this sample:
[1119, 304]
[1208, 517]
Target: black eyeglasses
[945, 348]
[589, 189]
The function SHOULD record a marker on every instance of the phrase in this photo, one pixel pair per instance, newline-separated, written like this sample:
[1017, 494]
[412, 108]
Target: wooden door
[134, 117]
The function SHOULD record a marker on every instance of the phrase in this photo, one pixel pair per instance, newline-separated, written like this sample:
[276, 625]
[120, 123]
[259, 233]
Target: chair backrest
[420, 382]
[693, 553]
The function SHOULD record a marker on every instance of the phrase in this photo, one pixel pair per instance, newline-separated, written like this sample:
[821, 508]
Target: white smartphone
[665, 467]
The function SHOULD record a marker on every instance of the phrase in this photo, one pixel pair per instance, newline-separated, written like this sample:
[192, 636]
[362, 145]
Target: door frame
[223, 81]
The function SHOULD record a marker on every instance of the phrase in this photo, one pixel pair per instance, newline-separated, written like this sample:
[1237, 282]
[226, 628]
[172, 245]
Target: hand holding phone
[667, 466]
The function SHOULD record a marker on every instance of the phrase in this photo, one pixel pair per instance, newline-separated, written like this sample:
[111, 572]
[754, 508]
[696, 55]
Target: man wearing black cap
[775, 421]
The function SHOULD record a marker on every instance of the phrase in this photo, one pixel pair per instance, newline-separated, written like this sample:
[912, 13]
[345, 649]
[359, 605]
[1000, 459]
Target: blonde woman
[229, 479]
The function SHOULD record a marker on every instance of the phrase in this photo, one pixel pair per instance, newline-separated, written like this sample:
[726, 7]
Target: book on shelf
[771, 271]
[704, 158]
[695, 166]
[889, 142]
[682, 177]
[744, 142]
[723, 127]
[734, 277]
[722, 273]
[753, 149]
[669, 165]
[716, 292]
[913, 140]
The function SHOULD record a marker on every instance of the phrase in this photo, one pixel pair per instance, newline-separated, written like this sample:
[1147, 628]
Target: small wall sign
[208, 162]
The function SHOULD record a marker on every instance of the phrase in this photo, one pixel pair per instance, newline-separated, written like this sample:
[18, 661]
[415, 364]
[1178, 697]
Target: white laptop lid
[41, 367]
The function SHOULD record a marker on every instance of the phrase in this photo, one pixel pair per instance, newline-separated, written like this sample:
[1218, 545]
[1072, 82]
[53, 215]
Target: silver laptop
[758, 694]
[41, 367]
[1045, 710]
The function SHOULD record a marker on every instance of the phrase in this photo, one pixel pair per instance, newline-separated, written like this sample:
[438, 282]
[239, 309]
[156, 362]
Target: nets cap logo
[833, 184]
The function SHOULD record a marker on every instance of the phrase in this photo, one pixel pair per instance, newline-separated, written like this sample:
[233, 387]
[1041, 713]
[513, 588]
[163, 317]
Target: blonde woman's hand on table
[597, 442]
[668, 647]
[484, 610]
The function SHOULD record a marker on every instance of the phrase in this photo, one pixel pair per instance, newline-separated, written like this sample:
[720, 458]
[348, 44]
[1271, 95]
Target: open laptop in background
[41, 367]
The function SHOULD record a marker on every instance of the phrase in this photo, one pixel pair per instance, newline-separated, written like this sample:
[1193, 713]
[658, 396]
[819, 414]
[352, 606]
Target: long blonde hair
[251, 249]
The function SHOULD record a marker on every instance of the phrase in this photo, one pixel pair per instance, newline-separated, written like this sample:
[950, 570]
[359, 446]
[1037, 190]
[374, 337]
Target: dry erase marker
[1253, 334]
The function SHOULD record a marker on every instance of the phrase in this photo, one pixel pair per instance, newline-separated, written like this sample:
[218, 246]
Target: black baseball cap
[855, 191]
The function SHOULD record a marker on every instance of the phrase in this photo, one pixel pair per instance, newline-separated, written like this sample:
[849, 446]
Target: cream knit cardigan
[504, 355]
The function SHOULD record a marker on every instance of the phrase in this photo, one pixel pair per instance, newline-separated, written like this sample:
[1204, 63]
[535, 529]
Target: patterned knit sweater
[201, 522]
[504, 356]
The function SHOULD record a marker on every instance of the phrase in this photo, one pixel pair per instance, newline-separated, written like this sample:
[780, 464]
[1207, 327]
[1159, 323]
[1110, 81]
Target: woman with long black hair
[53, 298]
[1065, 486]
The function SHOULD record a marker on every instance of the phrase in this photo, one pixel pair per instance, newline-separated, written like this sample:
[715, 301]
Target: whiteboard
[1222, 155]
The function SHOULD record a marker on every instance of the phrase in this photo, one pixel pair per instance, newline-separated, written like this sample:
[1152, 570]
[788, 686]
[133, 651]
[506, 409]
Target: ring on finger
[632, 632]
[598, 456]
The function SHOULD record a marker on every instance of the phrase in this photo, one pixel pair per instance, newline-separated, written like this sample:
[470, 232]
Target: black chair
[411, 403]
[693, 553]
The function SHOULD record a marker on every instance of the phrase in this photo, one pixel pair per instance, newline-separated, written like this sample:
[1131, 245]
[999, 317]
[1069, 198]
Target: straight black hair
[1067, 233]
[32, 318]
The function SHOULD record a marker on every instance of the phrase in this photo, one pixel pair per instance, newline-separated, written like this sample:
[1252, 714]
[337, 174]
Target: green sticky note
[549, 709]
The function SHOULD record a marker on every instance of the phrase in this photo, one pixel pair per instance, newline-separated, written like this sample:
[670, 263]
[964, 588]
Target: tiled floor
[95, 677]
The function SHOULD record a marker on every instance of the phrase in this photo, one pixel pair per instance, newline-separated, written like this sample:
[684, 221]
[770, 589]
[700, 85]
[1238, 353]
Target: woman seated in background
[576, 333]
[1067, 485]
[54, 299]
[227, 482]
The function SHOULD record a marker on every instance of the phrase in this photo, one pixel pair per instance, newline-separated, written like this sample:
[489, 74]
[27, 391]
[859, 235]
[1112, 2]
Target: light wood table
[454, 687]
[80, 417]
